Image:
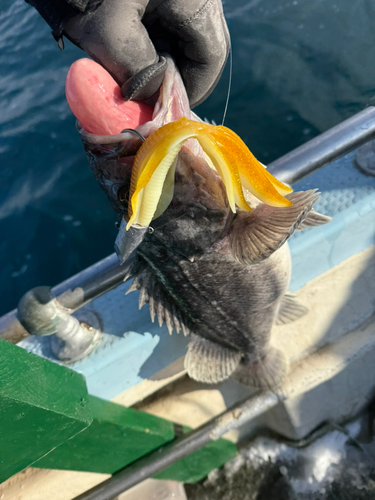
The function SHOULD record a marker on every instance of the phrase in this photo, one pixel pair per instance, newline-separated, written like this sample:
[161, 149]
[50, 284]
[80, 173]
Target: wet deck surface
[340, 465]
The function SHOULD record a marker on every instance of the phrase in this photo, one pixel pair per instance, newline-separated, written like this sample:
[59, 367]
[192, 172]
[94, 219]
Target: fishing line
[230, 80]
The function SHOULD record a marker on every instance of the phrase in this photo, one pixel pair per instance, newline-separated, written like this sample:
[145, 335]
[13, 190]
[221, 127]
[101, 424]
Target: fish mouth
[152, 179]
[152, 174]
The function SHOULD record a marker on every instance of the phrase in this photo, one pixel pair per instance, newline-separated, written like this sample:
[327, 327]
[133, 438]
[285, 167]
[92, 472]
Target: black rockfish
[217, 273]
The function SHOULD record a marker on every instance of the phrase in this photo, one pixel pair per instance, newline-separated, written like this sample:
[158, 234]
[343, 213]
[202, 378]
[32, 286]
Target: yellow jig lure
[152, 180]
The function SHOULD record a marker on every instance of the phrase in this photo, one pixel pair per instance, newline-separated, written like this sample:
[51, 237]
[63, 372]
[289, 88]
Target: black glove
[124, 36]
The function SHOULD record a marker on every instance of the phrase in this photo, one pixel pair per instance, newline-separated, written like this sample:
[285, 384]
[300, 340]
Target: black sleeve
[55, 12]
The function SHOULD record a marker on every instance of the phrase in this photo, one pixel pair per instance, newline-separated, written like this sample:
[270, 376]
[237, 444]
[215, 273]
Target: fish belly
[224, 301]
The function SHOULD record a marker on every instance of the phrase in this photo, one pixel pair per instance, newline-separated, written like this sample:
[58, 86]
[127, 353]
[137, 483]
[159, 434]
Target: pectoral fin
[257, 234]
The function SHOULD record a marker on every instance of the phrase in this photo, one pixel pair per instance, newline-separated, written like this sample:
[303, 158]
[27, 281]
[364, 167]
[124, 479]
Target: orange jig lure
[152, 180]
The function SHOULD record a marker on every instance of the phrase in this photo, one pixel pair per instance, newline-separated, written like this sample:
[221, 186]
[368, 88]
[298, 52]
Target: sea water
[299, 67]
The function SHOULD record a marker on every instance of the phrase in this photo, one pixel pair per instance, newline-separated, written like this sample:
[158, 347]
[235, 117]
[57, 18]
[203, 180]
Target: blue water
[299, 67]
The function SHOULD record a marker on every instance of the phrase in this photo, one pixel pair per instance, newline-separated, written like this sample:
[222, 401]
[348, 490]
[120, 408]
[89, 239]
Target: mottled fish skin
[218, 298]
[221, 278]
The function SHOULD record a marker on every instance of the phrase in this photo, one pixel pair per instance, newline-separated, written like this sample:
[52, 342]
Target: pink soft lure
[96, 101]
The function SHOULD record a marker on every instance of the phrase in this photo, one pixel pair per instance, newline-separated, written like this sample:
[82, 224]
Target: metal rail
[74, 293]
[107, 274]
[294, 166]
[237, 415]
[327, 147]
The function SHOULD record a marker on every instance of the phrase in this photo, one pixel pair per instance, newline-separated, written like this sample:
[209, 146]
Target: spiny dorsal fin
[161, 305]
[135, 285]
[257, 234]
[209, 362]
[290, 309]
[314, 219]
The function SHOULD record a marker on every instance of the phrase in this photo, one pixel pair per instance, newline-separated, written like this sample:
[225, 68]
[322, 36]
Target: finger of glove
[146, 82]
[204, 38]
[114, 36]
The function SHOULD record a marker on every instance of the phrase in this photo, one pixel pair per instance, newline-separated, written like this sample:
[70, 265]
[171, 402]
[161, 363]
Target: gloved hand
[125, 35]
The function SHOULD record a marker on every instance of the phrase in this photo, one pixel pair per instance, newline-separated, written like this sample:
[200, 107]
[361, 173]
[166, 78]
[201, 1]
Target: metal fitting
[365, 158]
[72, 339]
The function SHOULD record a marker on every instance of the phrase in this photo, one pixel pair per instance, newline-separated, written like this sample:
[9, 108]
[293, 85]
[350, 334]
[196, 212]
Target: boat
[95, 398]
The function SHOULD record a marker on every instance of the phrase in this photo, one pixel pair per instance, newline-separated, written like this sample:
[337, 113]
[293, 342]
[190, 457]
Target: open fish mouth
[151, 178]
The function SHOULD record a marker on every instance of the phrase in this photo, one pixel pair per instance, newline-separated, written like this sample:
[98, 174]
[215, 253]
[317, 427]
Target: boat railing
[107, 274]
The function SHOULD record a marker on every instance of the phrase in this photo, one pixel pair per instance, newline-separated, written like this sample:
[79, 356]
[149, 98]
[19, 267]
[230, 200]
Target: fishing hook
[132, 131]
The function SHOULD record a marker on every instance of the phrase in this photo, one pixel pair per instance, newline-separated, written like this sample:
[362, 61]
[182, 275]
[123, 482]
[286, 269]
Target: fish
[212, 259]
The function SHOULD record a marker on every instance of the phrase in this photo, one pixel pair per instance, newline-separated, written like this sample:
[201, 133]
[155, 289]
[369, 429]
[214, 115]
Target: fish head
[185, 175]
[198, 213]
[194, 206]
[111, 157]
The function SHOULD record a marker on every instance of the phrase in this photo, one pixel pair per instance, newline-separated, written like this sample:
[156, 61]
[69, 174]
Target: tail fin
[267, 373]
